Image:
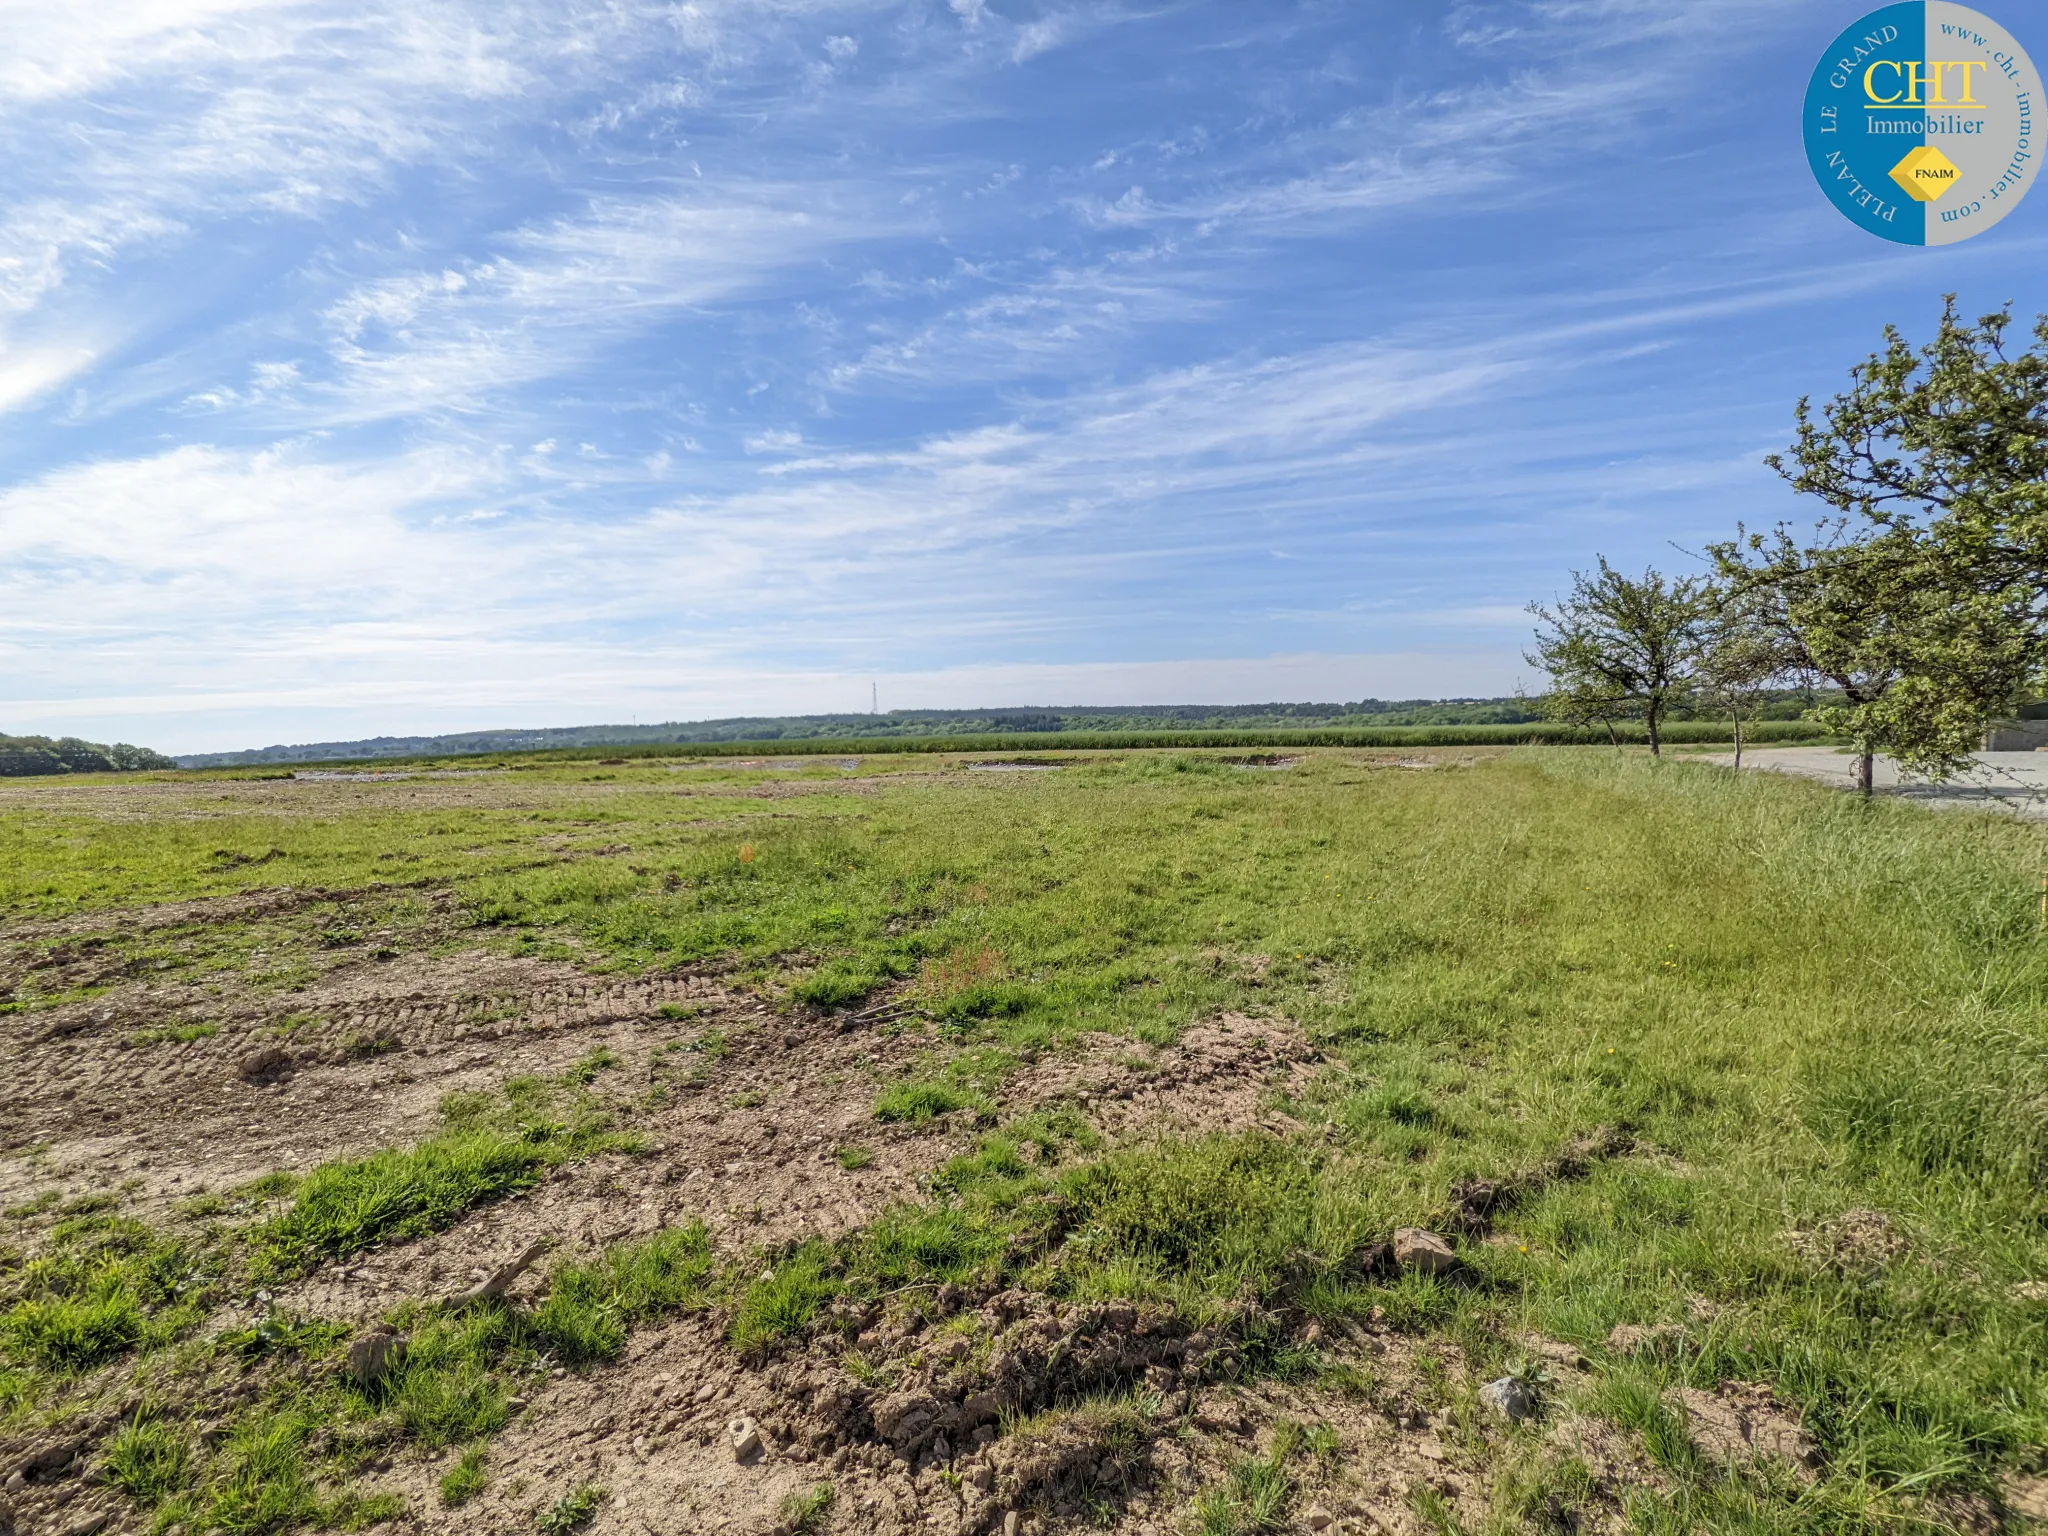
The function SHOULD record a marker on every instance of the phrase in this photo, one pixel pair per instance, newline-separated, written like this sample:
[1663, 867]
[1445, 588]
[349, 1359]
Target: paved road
[2013, 781]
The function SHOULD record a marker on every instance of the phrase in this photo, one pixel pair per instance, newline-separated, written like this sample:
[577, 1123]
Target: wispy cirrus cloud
[352, 352]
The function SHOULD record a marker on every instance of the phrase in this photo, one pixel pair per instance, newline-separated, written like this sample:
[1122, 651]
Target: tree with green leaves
[1620, 648]
[1740, 656]
[1921, 659]
[1926, 599]
[1950, 439]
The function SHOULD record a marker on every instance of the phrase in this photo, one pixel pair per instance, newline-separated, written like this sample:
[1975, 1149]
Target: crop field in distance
[1172, 1143]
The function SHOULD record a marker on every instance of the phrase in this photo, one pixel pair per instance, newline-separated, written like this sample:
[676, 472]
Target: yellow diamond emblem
[1925, 173]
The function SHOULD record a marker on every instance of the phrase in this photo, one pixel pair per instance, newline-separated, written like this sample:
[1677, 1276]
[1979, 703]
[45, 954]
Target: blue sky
[408, 365]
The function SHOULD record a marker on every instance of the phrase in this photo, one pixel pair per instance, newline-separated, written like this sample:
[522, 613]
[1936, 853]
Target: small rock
[1161, 1378]
[2031, 1290]
[375, 1356]
[745, 1436]
[1010, 1523]
[516, 1404]
[640, 1446]
[980, 1478]
[707, 1392]
[955, 1349]
[1423, 1252]
[1316, 1517]
[1510, 1397]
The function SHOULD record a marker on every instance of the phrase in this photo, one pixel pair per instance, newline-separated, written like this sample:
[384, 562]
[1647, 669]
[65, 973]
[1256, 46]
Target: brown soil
[983, 1406]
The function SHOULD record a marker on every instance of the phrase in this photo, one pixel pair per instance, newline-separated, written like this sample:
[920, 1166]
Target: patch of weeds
[708, 1048]
[353, 1511]
[173, 1034]
[447, 1391]
[346, 1207]
[573, 1511]
[869, 1373]
[494, 1146]
[779, 1307]
[1545, 1493]
[916, 1103]
[853, 1159]
[590, 1306]
[1434, 1511]
[1012, 1160]
[584, 1072]
[751, 1098]
[28, 1209]
[1636, 1401]
[838, 983]
[360, 1047]
[455, 1384]
[107, 1286]
[1354, 1381]
[270, 1186]
[1219, 1213]
[1252, 1500]
[279, 1334]
[680, 1010]
[803, 1513]
[263, 1482]
[913, 1244]
[466, 1479]
[149, 1459]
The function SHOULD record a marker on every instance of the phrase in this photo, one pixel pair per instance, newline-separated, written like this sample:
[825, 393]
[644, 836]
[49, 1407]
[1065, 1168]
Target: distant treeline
[1020, 746]
[24, 757]
[949, 725]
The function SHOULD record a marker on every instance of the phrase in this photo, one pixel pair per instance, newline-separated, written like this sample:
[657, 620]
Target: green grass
[173, 1034]
[805, 1510]
[1796, 1004]
[103, 1287]
[914, 1103]
[1252, 1501]
[493, 1146]
[781, 1306]
[149, 1459]
[573, 1511]
[467, 1478]
[346, 1207]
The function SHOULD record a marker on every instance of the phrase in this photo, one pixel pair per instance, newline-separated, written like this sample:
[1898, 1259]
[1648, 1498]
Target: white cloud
[29, 372]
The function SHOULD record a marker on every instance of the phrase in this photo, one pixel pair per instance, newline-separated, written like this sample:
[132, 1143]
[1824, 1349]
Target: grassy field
[1757, 1068]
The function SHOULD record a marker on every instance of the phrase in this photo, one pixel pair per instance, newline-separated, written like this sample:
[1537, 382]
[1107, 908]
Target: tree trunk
[1650, 719]
[1863, 774]
[1736, 716]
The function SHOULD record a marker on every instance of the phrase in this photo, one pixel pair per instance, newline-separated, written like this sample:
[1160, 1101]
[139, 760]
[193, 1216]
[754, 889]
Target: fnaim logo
[1923, 122]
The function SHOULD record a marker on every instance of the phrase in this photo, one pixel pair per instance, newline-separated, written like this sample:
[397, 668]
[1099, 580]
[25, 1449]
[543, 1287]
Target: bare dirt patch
[1106, 1417]
[1743, 1421]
